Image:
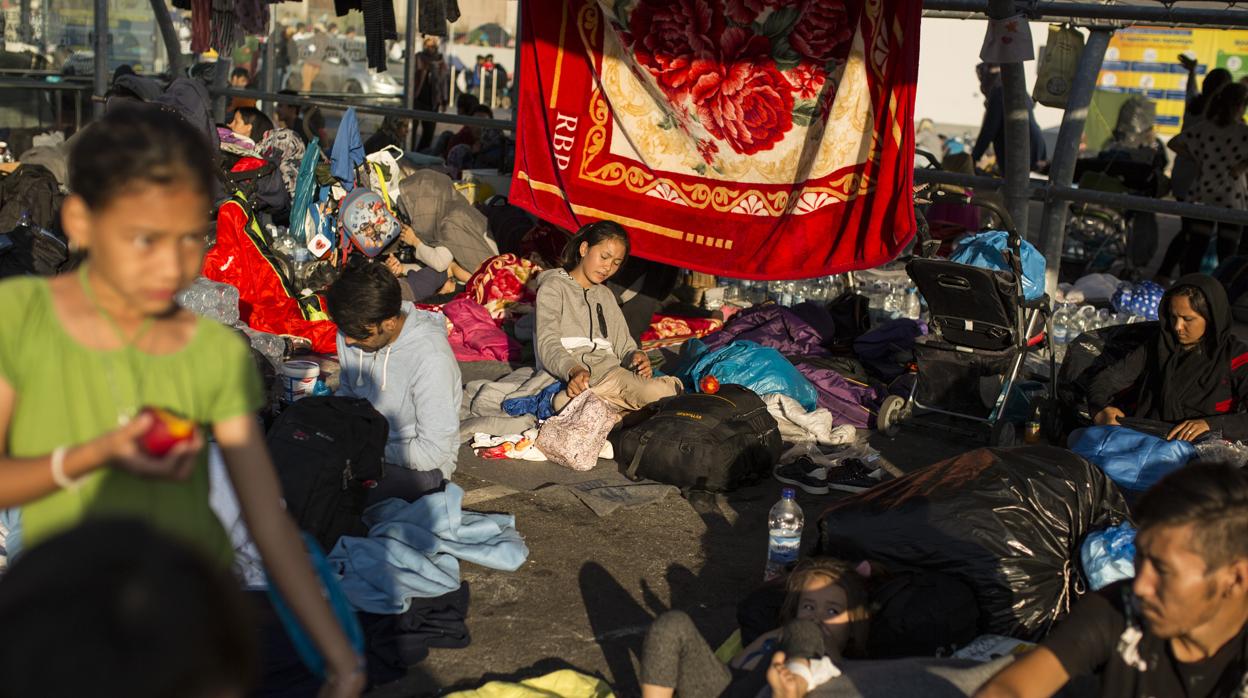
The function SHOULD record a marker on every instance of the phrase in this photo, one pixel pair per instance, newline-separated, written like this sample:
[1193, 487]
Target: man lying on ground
[1178, 628]
[397, 358]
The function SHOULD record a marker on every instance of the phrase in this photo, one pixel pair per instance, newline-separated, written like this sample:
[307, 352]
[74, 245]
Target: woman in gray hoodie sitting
[582, 338]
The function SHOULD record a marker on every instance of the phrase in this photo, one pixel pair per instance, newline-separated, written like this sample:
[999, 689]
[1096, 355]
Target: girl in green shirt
[82, 354]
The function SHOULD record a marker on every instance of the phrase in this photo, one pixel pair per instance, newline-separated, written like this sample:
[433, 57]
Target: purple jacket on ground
[772, 326]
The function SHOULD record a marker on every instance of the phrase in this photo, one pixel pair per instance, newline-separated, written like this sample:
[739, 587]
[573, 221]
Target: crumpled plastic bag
[1108, 556]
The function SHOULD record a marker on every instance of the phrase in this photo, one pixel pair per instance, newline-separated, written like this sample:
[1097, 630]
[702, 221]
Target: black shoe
[853, 476]
[804, 473]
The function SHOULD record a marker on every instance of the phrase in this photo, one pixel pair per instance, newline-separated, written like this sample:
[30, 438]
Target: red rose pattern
[806, 81]
[744, 100]
[670, 34]
[823, 31]
[746, 11]
[692, 50]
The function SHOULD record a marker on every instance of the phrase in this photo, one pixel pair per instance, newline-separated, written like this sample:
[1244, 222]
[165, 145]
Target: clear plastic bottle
[299, 269]
[892, 303]
[912, 308]
[784, 534]
[1061, 330]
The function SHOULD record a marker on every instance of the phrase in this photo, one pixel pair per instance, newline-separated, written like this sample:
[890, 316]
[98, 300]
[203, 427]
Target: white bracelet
[62, 480]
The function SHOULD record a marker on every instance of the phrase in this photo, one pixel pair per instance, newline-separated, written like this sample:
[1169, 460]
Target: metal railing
[1174, 15]
[307, 100]
[61, 86]
[1043, 190]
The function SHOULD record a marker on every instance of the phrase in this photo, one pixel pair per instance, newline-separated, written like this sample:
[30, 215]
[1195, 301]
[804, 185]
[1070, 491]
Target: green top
[68, 394]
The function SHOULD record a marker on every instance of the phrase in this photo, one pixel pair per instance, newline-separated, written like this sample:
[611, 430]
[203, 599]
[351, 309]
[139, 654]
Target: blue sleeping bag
[986, 250]
[1132, 459]
[761, 369]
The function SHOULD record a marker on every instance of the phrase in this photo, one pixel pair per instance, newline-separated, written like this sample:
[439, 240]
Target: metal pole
[409, 71]
[1066, 151]
[173, 48]
[1017, 154]
[220, 78]
[101, 57]
[1149, 13]
[515, 62]
[270, 55]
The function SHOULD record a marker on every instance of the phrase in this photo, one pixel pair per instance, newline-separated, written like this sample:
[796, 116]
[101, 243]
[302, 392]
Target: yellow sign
[1144, 61]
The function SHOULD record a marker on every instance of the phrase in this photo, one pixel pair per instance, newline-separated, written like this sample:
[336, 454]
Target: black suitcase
[699, 441]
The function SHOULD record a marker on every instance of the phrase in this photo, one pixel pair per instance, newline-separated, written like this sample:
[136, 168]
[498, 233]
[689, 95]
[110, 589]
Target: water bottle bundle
[744, 292]
[219, 302]
[1130, 303]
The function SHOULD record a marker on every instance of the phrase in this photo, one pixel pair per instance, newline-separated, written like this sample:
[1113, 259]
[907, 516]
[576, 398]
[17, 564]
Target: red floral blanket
[750, 138]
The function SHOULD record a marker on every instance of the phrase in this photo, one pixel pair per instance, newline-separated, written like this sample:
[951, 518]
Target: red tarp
[750, 138]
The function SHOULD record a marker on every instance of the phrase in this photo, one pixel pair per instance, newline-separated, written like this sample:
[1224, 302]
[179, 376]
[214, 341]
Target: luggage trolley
[982, 327]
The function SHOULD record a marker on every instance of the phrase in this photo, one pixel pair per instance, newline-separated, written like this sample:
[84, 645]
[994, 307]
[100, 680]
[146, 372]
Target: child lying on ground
[582, 337]
[824, 616]
[82, 355]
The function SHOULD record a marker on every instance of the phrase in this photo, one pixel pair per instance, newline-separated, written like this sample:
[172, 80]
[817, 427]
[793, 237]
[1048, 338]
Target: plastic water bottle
[912, 308]
[784, 534]
[1061, 331]
[893, 303]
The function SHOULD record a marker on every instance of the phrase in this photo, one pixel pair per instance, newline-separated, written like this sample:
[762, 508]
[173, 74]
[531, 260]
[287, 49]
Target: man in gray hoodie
[397, 358]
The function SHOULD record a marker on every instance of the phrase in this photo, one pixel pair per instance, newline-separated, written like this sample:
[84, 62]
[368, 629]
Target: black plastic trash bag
[1007, 522]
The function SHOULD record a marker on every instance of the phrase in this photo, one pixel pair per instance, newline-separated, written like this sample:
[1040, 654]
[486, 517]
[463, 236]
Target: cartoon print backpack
[364, 220]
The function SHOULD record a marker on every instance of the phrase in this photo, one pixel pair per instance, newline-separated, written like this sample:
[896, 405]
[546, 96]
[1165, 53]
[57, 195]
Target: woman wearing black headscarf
[1194, 375]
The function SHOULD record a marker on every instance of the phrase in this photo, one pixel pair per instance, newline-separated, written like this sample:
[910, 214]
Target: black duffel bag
[699, 441]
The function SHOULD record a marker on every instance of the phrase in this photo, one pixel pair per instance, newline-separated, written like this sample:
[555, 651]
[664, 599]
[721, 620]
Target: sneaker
[804, 473]
[853, 476]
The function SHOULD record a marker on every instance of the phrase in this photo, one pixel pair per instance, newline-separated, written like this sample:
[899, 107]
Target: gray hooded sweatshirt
[442, 217]
[579, 327]
[415, 383]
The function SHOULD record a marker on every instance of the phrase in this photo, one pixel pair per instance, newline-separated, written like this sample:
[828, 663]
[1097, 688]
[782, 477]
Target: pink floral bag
[574, 437]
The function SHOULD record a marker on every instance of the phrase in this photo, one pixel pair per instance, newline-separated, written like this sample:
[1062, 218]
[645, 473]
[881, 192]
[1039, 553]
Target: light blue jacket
[413, 550]
[415, 383]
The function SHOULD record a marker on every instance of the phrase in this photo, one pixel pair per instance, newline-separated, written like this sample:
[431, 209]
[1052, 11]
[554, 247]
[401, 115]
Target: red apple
[709, 384]
[167, 431]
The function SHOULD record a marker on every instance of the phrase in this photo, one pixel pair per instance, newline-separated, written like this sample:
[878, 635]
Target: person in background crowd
[313, 58]
[86, 353]
[1186, 170]
[251, 123]
[825, 615]
[398, 358]
[1178, 628]
[1192, 377]
[288, 116]
[240, 79]
[582, 338]
[992, 129]
[184, 36]
[432, 78]
[393, 132]
[142, 614]
[1218, 144]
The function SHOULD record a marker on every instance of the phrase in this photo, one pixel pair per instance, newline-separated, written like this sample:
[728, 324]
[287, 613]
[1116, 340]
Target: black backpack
[714, 443]
[328, 451]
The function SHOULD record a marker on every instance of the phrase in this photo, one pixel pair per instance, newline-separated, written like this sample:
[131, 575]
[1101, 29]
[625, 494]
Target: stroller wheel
[891, 413]
[1004, 434]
